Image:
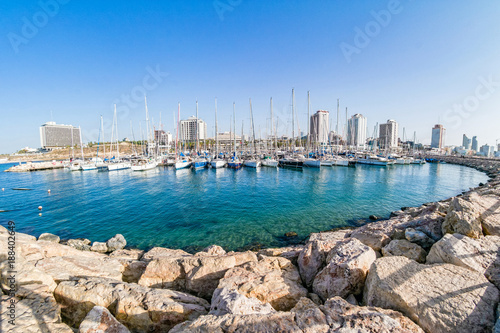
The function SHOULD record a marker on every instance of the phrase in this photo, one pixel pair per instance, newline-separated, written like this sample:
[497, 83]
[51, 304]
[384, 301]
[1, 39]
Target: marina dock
[36, 166]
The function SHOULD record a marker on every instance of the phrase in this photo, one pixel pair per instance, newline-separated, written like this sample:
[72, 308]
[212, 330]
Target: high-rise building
[389, 134]
[53, 135]
[487, 150]
[438, 133]
[319, 127]
[466, 142]
[356, 131]
[163, 138]
[475, 144]
[189, 129]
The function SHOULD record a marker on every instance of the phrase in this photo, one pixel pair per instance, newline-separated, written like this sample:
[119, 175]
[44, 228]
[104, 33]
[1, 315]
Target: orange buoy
[39, 207]
[39, 214]
[48, 191]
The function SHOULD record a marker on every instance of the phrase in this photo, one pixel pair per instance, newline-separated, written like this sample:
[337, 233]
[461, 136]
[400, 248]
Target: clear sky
[418, 62]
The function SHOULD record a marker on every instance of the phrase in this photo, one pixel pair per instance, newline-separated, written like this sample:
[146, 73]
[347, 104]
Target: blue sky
[426, 62]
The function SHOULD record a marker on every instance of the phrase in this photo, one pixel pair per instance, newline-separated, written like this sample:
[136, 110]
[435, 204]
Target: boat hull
[218, 164]
[182, 165]
[198, 165]
[270, 163]
[144, 167]
[234, 165]
[312, 163]
[89, 167]
[252, 164]
[118, 166]
[291, 164]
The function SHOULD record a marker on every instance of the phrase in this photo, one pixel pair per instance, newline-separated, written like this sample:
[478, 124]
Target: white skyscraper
[356, 131]
[319, 127]
[438, 136]
[389, 134]
[53, 135]
[188, 129]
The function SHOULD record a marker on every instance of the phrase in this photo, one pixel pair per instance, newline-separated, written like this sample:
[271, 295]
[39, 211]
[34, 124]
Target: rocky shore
[433, 268]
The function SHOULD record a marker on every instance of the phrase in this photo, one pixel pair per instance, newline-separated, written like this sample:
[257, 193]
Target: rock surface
[306, 317]
[79, 244]
[481, 255]
[139, 308]
[312, 258]
[116, 242]
[35, 311]
[49, 238]
[402, 247]
[227, 301]
[196, 274]
[348, 264]
[418, 237]
[99, 319]
[26, 274]
[99, 247]
[440, 297]
[272, 280]
[490, 212]
[463, 218]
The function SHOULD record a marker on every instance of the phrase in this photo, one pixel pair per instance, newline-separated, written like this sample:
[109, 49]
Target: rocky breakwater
[433, 268]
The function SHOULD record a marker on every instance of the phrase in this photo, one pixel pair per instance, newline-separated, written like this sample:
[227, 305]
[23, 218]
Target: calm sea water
[231, 208]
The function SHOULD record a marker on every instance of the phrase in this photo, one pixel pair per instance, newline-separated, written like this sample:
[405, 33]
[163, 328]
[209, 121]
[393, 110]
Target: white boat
[88, 166]
[312, 163]
[375, 160]
[341, 162]
[253, 163]
[327, 162]
[120, 165]
[143, 165]
[75, 166]
[270, 162]
[418, 161]
[218, 163]
[182, 164]
[200, 163]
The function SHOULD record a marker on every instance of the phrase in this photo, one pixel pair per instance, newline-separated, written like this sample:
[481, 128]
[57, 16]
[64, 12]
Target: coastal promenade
[432, 268]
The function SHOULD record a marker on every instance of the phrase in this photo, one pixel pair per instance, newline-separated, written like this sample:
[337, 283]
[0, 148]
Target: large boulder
[132, 266]
[378, 234]
[49, 238]
[195, 274]
[312, 258]
[25, 274]
[348, 264]
[306, 317]
[139, 308]
[163, 253]
[464, 217]
[418, 237]
[272, 280]
[402, 247]
[229, 301]
[490, 212]
[291, 252]
[35, 311]
[481, 255]
[116, 242]
[212, 250]
[439, 298]
[99, 319]
[68, 267]
[279, 322]
[79, 244]
[99, 247]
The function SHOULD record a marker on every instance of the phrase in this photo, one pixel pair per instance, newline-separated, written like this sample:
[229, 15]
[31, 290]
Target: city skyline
[70, 62]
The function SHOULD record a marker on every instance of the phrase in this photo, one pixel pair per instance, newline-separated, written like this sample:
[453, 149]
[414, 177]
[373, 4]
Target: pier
[36, 166]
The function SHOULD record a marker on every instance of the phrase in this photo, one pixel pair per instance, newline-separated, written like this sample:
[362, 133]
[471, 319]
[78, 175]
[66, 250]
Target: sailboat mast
[216, 131]
[272, 123]
[337, 128]
[308, 121]
[234, 129]
[293, 119]
[177, 131]
[116, 131]
[81, 146]
[147, 125]
[253, 129]
[196, 148]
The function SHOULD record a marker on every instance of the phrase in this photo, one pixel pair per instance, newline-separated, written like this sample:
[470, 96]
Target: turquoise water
[231, 208]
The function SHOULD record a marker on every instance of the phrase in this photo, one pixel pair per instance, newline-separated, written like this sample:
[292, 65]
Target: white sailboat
[143, 164]
[181, 162]
[117, 164]
[271, 161]
[310, 162]
[253, 162]
[217, 162]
